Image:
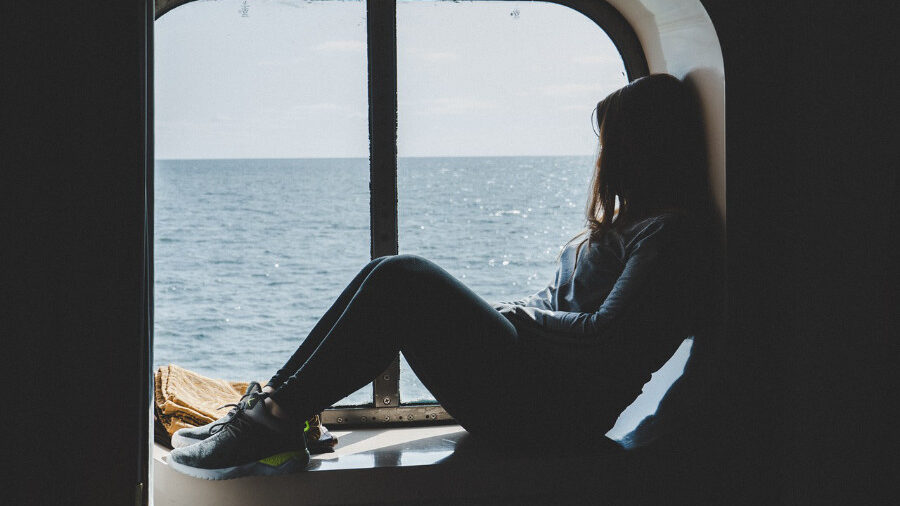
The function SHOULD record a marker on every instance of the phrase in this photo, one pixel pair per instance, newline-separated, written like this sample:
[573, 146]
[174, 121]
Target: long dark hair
[652, 155]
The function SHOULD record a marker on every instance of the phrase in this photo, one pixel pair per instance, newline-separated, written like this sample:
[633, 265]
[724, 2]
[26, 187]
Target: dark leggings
[462, 349]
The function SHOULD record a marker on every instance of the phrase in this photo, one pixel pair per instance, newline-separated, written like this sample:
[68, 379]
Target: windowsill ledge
[437, 465]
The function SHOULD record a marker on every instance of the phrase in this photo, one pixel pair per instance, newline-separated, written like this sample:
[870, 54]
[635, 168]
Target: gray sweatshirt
[624, 304]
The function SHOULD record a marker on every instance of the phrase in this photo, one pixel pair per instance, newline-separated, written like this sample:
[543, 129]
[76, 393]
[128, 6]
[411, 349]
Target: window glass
[495, 139]
[261, 182]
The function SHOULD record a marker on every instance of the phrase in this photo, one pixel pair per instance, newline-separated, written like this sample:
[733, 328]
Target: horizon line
[365, 157]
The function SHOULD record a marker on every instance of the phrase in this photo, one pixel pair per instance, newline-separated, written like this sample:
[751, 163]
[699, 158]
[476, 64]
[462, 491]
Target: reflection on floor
[438, 464]
[362, 449]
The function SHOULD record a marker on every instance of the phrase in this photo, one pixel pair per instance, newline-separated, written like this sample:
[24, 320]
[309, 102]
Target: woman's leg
[460, 347]
[320, 330]
[463, 350]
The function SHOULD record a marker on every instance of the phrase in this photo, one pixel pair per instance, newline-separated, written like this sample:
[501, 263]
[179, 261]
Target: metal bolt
[386, 400]
[340, 420]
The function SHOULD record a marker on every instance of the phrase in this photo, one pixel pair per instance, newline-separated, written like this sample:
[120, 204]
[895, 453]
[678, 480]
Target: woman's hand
[504, 308]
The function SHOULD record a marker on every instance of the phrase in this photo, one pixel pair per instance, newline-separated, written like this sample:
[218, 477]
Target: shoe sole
[282, 463]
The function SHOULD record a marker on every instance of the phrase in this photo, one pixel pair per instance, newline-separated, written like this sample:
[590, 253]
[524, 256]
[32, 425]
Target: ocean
[250, 253]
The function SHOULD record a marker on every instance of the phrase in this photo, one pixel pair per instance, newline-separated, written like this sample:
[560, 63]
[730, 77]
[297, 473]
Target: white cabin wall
[678, 38]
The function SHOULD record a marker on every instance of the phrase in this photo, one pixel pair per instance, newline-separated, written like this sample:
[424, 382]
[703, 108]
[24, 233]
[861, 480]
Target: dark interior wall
[811, 214]
[73, 213]
[811, 218]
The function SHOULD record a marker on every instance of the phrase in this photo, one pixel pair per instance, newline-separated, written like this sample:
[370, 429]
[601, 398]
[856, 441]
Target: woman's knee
[405, 265]
[376, 261]
[408, 276]
[369, 267]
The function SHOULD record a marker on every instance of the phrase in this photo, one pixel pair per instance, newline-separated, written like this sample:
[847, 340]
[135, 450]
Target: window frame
[381, 47]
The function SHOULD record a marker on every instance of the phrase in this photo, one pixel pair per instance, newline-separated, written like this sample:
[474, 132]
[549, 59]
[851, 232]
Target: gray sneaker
[187, 437]
[250, 443]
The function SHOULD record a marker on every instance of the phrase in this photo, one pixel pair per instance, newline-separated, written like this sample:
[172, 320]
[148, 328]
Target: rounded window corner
[617, 28]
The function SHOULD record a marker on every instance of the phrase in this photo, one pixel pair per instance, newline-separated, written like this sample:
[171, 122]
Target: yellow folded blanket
[185, 398]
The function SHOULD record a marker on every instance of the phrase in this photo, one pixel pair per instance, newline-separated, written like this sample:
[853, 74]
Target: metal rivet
[387, 377]
[387, 419]
[386, 400]
[409, 417]
[363, 419]
[340, 420]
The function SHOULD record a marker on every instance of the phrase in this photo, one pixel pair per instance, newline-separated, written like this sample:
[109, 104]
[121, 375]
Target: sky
[288, 80]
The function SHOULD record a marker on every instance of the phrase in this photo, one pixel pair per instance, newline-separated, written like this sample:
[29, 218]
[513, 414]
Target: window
[262, 184]
[266, 163]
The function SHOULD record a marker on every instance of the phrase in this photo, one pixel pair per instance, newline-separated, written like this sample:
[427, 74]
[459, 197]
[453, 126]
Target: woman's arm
[542, 299]
[647, 295]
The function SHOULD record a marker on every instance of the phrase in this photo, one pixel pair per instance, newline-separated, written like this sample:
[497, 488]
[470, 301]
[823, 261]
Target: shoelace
[233, 405]
[236, 423]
